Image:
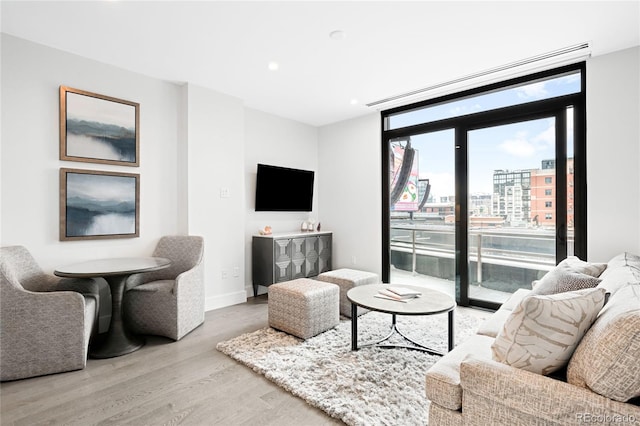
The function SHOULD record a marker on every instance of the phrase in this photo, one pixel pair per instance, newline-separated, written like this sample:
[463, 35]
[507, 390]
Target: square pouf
[304, 307]
[346, 279]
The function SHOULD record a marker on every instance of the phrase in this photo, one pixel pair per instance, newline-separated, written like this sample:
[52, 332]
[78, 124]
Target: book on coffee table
[403, 291]
[382, 296]
[388, 294]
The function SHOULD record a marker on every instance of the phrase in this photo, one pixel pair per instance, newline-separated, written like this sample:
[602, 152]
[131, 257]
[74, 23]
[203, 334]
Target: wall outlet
[224, 274]
[236, 272]
[225, 193]
[353, 260]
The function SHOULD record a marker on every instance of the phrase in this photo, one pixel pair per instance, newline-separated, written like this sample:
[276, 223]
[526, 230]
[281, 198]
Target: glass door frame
[554, 107]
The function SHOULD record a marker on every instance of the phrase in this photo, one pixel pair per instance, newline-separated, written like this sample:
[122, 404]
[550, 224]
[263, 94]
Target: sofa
[485, 381]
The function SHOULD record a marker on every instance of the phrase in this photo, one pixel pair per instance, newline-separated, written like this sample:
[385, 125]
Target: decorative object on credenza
[97, 205]
[265, 231]
[98, 129]
[318, 228]
[304, 226]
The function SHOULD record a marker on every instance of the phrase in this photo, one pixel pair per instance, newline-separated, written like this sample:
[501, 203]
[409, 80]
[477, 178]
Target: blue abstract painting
[100, 204]
[99, 129]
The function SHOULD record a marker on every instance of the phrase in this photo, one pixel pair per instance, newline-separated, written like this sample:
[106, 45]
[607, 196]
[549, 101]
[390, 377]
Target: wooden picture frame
[99, 205]
[98, 129]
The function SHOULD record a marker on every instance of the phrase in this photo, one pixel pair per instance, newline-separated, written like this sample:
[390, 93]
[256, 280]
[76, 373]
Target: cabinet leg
[255, 290]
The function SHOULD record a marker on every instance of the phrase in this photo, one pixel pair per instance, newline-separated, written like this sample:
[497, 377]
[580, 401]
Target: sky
[510, 147]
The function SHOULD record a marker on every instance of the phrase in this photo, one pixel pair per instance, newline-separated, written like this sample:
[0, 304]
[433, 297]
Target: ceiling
[389, 47]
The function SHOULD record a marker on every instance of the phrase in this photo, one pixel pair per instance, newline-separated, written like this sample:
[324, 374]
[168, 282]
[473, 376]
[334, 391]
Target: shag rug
[371, 386]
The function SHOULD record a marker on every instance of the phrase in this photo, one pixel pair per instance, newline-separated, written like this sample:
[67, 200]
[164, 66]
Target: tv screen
[281, 189]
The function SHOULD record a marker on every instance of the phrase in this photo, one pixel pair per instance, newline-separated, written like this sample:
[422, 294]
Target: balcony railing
[509, 247]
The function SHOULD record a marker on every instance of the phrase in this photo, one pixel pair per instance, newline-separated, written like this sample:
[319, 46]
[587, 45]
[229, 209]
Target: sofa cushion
[541, 334]
[562, 278]
[443, 378]
[607, 358]
[492, 325]
[621, 270]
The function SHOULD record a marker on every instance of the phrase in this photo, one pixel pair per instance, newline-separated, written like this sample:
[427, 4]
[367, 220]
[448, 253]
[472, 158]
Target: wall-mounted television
[281, 189]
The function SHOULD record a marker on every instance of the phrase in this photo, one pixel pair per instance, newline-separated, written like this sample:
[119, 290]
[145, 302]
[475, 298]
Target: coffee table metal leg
[451, 330]
[354, 327]
[394, 329]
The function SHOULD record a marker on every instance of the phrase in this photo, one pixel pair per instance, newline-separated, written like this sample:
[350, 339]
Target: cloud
[442, 184]
[519, 146]
[533, 90]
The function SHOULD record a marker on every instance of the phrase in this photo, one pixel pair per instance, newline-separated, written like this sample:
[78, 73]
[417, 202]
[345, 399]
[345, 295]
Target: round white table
[118, 340]
[430, 302]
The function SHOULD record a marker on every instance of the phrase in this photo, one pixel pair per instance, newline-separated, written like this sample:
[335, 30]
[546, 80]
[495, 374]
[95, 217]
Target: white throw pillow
[542, 332]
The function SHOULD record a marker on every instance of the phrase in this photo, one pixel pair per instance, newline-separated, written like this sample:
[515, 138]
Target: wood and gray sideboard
[283, 257]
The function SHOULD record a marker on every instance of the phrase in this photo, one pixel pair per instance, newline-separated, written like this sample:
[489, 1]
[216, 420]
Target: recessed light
[273, 65]
[354, 101]
[338, 35]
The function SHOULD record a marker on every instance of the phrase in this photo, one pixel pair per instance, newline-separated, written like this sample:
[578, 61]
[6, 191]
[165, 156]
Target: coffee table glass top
[430, 301]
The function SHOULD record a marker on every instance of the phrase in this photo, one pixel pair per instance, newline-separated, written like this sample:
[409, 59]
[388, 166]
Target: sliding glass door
[422, 209]
[484, 191]
[511, 201]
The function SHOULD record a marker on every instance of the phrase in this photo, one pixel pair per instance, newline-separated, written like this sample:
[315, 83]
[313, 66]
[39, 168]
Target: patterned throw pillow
[542, 332]
[560, 280]
[570, 274]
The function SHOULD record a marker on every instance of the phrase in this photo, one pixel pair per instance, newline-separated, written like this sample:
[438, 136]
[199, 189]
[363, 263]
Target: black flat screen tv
[281, 189]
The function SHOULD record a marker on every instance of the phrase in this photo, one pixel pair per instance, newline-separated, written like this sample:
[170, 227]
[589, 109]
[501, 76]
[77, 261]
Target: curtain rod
[553, 54]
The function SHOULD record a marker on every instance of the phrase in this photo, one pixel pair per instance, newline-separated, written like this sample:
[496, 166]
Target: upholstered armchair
[45, 323]
[168, 302]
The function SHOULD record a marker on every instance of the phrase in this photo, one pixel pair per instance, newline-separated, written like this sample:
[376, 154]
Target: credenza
[283, 257]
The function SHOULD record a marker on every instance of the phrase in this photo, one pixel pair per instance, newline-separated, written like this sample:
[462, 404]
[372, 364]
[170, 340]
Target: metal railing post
[479, 261]
[413, 241]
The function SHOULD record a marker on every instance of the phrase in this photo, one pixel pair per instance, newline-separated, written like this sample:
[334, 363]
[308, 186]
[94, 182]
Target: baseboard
[224, 300]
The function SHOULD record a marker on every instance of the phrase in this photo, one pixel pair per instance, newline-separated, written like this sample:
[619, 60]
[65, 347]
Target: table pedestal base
[118, 340]
[112, 345]
[394, 330]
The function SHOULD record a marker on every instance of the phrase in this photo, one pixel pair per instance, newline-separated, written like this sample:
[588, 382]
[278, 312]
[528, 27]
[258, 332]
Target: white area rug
[371, 386]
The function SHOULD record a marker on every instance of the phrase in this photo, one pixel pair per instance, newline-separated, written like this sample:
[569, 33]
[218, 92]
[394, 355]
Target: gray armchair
[168, 302]
[45, 323]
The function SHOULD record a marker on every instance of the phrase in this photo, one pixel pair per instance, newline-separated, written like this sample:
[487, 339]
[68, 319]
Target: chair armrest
[42, 332]
[88, 287]
[493, 392]
[190, 281]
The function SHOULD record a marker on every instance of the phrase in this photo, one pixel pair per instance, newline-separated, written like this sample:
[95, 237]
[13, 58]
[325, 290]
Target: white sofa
[600, 385]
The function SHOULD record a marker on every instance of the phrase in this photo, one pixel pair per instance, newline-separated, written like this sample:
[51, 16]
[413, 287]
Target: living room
[197, 141]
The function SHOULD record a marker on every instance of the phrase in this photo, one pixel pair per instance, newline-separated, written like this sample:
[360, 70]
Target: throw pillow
[542, 332]
[561, 279]
[549, 283]
[606, 360]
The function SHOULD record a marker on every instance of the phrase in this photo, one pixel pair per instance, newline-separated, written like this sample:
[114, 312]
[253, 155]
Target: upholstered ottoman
[304, 307]
[346, 279]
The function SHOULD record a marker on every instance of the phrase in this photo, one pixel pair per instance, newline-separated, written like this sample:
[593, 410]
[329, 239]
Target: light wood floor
[166, 383]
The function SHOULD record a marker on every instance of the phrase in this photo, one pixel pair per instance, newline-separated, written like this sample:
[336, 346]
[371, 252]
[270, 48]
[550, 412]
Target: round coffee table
[430, 302]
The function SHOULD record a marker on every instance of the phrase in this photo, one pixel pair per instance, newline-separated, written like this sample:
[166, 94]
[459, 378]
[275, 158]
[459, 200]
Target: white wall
[215, 161]
[280, 142]
[350, 181]
[31, 76]
[613, 154]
